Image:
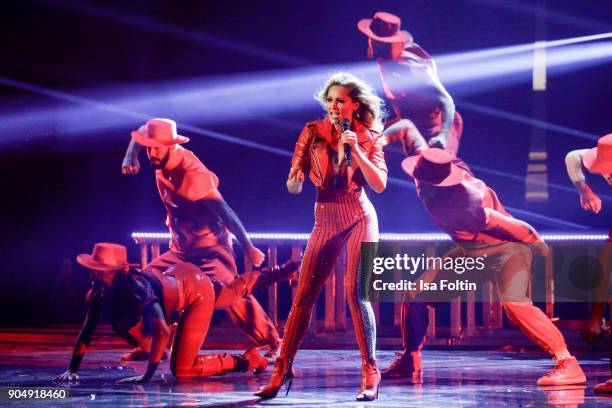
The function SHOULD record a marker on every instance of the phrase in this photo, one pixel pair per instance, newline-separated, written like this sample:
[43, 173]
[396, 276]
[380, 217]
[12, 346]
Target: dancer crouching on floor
[142, 303]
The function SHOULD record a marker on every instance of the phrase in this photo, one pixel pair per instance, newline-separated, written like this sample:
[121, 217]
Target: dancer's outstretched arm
[573, 163]
[407, 134]
[214, 202]
[154, 324]
[431, 88]
[447, 109]
[130, 164]
[504, 227]
[82, 343]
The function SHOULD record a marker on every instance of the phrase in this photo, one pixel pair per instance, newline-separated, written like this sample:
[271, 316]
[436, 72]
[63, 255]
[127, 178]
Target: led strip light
[411, 237]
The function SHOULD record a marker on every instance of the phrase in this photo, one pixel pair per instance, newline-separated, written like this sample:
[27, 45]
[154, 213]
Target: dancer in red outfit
[141, 305]
[599, 161]
[410, 79]
[343, 216]
[199, 219]
[470, 212]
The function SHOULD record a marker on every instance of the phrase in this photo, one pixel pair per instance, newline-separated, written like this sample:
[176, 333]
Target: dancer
[142, 303]
[344, 216]
[199, 219]
[410, 80]
[470, 212]
[597, 160]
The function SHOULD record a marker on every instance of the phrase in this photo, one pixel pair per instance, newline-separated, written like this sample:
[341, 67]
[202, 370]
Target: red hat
[384, 27]
[434, 166]
[158, 133]
[105, 257]
[599, 159]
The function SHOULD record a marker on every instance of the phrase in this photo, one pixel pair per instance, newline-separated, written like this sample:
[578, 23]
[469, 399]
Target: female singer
[341, 153]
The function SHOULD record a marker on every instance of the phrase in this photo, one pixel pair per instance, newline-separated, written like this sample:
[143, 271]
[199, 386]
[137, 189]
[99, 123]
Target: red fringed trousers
[342, 218]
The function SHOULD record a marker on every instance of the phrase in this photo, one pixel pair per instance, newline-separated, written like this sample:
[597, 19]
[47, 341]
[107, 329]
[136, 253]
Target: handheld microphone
[346, 125]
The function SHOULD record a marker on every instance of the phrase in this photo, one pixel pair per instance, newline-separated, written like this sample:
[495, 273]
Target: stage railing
[335, 317]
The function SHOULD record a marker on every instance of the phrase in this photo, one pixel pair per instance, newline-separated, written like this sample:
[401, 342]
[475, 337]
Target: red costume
[470, 212]
[597, 160]
[183, 288]
[344, 216]
[460, 212]
[200, 237]
[142, 305]
[408, 85]
[411, 83]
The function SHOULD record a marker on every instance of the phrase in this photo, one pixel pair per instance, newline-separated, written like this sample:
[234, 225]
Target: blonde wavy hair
[371, 109]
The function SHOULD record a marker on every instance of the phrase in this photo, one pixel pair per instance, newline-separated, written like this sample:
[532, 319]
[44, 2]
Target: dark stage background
[62, 189]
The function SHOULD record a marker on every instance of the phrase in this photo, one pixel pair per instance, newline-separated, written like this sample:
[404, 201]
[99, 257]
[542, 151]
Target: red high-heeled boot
[370, 380]
[282, 373]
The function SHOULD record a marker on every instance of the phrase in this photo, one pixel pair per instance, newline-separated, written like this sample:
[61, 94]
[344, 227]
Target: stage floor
[324, 377]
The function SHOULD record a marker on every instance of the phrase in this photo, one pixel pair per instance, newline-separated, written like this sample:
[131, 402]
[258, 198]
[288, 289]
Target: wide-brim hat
[599, 159]
[105, 257]
[384, 27]
[158, 132]
[434, 166]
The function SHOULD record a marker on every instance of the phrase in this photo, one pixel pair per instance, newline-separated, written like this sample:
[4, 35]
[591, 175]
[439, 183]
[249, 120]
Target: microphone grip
[348, 154]
[346, 125]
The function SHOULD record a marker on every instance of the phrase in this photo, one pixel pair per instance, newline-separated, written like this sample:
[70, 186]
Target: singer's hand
[295, 180]
[296, 175]
[349, 137]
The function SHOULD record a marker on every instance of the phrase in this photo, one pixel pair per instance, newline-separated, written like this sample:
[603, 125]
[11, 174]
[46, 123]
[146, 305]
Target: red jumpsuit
[344, 216]
[413, 90]
[459, 211]
[199, 237]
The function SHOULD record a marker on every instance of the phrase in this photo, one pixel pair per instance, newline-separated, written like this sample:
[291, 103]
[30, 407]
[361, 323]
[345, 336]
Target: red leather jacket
[312, 152]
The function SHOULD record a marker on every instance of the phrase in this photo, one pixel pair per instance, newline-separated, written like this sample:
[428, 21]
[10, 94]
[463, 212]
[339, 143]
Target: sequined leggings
[341, 218]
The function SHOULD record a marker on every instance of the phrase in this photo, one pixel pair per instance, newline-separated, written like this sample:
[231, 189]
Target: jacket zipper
[314, 156]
